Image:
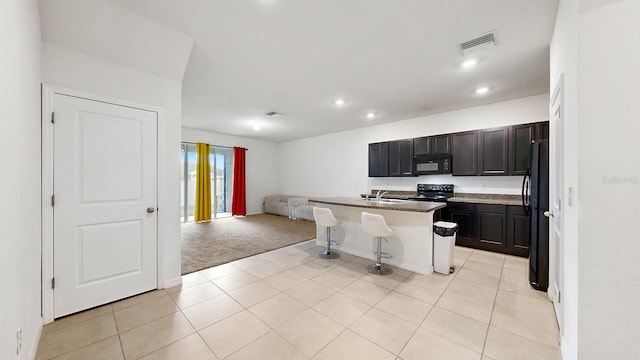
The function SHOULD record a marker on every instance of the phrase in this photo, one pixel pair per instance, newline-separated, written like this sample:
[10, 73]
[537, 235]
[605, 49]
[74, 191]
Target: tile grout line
[89, 344]
[345, 328]
[166, 345]
[356, 278]
[486, 336]
[432, 307]
[118, 332]
[78, 323]
[162, 317]
[198, 331]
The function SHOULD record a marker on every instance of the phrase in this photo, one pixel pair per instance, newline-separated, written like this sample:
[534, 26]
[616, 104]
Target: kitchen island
[412, 222]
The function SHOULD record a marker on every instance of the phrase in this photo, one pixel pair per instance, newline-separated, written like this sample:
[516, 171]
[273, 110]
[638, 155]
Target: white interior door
[105, 186]
[556, 243]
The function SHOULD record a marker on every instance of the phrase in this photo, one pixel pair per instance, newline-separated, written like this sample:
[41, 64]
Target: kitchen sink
[386, 200]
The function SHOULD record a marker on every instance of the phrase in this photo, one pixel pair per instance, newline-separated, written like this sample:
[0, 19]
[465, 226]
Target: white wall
[20, 184]
[73, 70]
[564, 60]
[261, 164]
[609, 179]
[337, 164]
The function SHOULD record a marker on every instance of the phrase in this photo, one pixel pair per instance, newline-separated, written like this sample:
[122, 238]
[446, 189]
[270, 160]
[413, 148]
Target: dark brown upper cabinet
[464, 148]
[379, 159]
[401, 157]
[422, 146]
[441, 144]
[520, 137]
[432, 145]
[542, 130]
[493, 151]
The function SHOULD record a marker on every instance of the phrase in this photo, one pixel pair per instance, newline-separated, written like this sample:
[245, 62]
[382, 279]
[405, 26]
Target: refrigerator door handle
[525, 192]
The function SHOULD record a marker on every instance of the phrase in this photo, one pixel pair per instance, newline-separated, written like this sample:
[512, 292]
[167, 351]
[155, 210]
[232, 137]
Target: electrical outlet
[18, 341]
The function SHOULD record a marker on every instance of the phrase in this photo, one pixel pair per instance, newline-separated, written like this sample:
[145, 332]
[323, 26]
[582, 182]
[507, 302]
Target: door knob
[548, 214]
[150, 210]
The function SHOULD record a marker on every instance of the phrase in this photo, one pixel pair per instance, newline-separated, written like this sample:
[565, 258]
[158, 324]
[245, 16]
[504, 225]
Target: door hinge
[53, 117]
[53, 283]
[53, 200]
[559, 296]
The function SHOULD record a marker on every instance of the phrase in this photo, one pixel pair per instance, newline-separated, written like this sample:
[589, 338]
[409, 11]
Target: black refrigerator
[535, 199]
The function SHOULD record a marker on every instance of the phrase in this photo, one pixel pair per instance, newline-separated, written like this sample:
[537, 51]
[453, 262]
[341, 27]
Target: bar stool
[375, 225]
[324, 217]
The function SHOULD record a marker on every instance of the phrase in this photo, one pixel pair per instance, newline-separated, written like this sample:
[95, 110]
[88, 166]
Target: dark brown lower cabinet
[492, 228]
[517, 231]
[498, 228]
[463, 215]
[437, 215]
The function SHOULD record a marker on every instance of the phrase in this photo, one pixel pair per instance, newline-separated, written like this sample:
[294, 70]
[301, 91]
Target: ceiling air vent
[478, 43]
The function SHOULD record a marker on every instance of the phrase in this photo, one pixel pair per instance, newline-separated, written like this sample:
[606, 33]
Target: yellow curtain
[202, 211]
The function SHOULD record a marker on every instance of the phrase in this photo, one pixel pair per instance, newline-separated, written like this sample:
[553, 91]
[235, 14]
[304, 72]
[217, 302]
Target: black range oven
[433, 192]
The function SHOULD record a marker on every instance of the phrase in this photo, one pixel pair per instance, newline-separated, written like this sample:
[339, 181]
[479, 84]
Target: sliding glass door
[221, 160]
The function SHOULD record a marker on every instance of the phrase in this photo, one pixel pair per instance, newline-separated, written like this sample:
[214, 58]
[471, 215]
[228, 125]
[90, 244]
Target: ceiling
[397, 59]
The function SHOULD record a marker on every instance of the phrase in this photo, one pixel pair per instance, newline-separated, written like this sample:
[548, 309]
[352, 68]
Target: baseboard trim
[33, 350]
[564, 349]
[172, 282]
[402, 265]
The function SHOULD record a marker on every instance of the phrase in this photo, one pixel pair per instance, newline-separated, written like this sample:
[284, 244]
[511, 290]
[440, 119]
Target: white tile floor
[287, 304]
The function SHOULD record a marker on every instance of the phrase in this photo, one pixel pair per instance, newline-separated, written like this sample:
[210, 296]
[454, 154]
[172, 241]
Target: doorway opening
[221, 160]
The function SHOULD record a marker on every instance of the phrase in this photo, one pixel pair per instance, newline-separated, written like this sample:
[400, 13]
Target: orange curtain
[238, 199]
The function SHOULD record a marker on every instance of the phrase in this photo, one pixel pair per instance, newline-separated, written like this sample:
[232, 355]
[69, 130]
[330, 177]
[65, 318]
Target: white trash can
[444, 241]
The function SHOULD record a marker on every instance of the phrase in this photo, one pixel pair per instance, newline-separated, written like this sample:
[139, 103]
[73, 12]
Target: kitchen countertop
[414, 206]
[494, 199]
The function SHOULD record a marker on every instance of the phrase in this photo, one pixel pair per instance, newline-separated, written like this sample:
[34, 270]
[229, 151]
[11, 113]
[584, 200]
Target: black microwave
[432, 164]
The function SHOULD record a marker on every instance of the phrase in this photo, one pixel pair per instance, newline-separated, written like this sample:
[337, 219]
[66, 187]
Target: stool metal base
[379, 269]
[328, 255]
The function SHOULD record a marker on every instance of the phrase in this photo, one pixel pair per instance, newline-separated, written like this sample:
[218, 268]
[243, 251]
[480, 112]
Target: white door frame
[48, 92]
[556, 136]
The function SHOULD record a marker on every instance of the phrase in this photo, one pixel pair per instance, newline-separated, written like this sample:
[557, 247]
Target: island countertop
[397, 205]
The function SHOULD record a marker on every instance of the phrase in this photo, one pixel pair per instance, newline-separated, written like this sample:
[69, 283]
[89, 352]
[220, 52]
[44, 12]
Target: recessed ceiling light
[482, 90]
[371, 115]
[339, 102]
[256, 127]
[469, 63]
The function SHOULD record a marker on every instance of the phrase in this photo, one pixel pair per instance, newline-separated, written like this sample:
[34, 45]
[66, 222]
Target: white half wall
[20, 185]
[609, 179]
[262, 164]
[70, 69]
[337, 164]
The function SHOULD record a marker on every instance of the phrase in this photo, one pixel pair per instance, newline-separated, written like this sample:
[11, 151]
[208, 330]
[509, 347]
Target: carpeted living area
[223, 240]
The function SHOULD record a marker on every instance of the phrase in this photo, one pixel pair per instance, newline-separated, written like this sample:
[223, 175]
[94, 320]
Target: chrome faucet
[379, 196]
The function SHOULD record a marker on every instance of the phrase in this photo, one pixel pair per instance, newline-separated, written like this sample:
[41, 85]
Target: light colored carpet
[223, 240]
